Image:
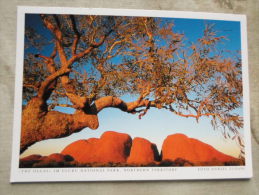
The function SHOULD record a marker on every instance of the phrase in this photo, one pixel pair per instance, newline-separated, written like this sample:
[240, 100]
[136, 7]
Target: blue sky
[156, 125]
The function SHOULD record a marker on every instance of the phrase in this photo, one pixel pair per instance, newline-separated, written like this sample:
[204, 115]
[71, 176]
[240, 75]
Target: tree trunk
[40, 124]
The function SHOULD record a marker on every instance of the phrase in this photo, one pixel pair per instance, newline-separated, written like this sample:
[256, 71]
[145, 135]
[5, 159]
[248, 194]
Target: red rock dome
[111, 147]
[180, 146]
[142, 152]
[56, 157]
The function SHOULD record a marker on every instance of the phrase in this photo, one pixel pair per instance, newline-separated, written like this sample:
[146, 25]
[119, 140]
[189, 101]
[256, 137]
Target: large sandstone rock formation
[118, 148]
[180, 146]
[28, 161]
[111, 147]
[53, 160]
[142, 152]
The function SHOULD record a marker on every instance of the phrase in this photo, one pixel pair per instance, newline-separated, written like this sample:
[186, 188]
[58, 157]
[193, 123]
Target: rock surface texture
[118, 149]
[142, 152]
[110, 147]
[53, 160]
[180, 146]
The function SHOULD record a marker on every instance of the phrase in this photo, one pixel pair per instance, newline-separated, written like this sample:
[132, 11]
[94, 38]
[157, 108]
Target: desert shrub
[234, 163]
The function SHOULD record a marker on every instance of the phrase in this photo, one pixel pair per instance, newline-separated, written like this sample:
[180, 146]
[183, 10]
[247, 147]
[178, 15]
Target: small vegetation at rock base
[165, 163]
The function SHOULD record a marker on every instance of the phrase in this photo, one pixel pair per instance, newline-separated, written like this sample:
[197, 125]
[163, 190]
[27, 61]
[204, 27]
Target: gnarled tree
[89, 62]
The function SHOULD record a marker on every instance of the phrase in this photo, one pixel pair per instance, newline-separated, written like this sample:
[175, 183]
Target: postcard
[122, 95]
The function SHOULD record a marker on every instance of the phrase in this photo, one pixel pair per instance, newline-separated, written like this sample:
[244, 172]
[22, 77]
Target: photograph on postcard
[102, 91]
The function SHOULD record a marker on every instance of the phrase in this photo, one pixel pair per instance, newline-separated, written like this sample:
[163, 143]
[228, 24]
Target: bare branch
[31, 86]
[47, 82]
[76, 35]
[149, 33]
[52, 106]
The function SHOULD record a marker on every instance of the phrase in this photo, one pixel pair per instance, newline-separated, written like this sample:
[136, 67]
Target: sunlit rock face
[180, 146]
[118, 149]
[142, 152]
[111, 147]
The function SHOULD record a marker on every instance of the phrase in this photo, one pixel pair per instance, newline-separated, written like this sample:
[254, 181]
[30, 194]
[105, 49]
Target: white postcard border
[126, 173]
